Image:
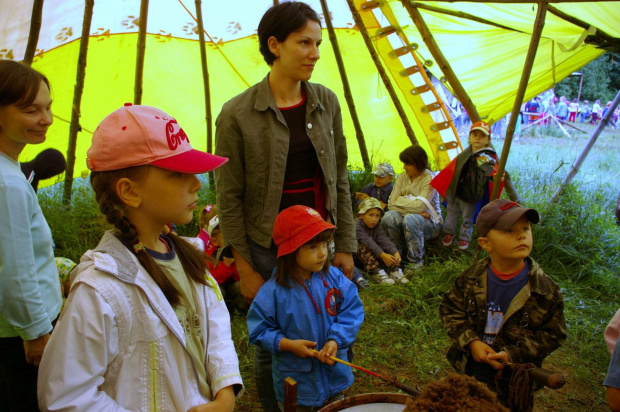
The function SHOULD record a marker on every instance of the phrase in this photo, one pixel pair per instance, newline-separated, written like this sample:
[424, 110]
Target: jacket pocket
[299, 369]
[340, 373]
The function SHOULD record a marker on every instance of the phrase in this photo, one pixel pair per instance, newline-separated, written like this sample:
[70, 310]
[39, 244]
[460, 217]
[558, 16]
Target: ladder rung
[386, 31]
[449, 146]
[431, 107]
[440, 126]
[421, 89]
[409, 71]
[369, 5]
[403, 50]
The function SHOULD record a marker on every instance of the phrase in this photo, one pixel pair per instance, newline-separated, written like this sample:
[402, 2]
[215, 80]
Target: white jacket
[118, 344]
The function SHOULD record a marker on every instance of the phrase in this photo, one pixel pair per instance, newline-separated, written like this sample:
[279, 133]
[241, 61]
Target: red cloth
[220, 272]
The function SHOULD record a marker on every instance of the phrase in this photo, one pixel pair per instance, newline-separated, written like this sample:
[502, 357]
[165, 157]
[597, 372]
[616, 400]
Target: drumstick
[405, 388]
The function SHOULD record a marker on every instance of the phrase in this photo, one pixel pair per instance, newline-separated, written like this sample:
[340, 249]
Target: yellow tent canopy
[485, 44]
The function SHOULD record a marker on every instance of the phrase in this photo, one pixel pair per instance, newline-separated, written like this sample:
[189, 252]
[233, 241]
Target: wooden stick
[600, 38]
[137, 89]
[74, 127]
[206, 85]
[386, 80]
[345, 85]
[35, 29]
[441, 60]
[290, 394]
[539, 23]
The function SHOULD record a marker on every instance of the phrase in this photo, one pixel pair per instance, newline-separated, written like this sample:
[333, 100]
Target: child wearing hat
[224, 271]
[469, 176]
[503, 308]
[381, 187]
[375, 250]
[306, 305]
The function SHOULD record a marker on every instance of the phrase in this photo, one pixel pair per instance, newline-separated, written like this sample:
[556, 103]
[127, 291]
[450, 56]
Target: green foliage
[601, 80]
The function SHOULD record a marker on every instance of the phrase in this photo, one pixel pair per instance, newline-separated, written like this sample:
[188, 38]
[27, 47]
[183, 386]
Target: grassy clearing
[577, 244]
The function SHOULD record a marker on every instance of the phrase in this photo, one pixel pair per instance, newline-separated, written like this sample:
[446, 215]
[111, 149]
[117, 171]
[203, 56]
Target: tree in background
[601, 80]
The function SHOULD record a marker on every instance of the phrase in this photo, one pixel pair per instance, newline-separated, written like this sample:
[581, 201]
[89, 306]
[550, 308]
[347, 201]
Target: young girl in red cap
[306, 305]
[145, 326]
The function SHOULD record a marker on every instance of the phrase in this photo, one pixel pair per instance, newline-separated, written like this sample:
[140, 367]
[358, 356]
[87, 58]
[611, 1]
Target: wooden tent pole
[75, 127]
[575, 167]
[539, 23]
[137, 88]
[207, 85]
[35, 28]
[441, 60]
[386, 80]
[345, 84]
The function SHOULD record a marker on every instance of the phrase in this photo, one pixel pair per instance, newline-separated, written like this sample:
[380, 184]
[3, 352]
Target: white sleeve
[83, 344]
[222, 362]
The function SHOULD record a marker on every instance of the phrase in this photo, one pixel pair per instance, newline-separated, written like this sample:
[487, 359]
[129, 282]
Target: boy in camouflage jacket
[503, 308]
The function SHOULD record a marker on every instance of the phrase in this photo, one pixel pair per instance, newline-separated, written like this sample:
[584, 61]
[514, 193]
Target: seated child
[224, 271]
[612, 380]
[381, 188]
[471, 174]
[306, 304]
[503, 308]
[373, 244]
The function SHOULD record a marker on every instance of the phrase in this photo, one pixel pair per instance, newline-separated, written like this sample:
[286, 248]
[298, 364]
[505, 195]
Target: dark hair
[280, 21]
[286, 267]
[415, 155]
[192, 259]
[19, 83]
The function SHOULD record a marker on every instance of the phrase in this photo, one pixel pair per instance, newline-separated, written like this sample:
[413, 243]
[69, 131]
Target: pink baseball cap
[143, 135]
[482, 126]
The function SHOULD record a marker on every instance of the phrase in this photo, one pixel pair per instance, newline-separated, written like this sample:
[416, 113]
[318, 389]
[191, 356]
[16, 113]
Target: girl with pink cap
[145, 326]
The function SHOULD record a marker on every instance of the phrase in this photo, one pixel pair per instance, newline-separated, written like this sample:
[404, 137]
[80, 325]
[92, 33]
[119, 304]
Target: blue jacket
[278, 312]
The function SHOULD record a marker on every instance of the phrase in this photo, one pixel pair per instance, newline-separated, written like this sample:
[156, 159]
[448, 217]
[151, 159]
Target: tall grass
[577, 244]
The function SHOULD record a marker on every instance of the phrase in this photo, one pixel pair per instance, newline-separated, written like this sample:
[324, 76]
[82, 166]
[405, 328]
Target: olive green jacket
[533, 325]
[253, 134]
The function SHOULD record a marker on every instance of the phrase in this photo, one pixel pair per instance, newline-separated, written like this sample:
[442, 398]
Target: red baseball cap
[295, 226]
[482, 126]
[143, 135]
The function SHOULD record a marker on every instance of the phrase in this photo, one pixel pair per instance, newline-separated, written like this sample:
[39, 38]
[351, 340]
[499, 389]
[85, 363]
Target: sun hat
[143, 135]
[482, 126]
[296, 225]
[383, 169]
[369, 203]
[501, 214]
[213, 224]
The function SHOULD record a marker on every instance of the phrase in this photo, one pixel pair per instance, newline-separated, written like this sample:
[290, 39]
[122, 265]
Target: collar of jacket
[539, 282]
[265, 100]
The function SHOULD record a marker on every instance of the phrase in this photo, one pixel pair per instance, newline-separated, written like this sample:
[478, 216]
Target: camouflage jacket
[533, 326]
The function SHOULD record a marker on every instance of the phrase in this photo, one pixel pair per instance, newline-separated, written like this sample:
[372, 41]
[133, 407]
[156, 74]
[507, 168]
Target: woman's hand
[250, 281]
[344, 261]
[34, 349]
[224, 402]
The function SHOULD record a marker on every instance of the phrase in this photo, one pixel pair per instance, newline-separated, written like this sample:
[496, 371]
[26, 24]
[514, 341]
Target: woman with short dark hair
[285, 144]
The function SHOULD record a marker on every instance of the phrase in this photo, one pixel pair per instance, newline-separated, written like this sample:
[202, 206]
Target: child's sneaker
[362, 283]
[447, 240]
[463, 244]
[382, 277]
[398, 275]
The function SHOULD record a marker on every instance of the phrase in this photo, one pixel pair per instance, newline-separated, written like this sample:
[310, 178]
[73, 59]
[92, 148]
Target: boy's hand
[330, 349]
[502, 357]
[361, 195]
[388, 259]
[298, 347]
[228, 261]
[481, 353]
[425, 215]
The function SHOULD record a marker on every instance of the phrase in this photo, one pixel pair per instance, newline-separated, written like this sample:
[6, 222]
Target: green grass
[577, 243]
